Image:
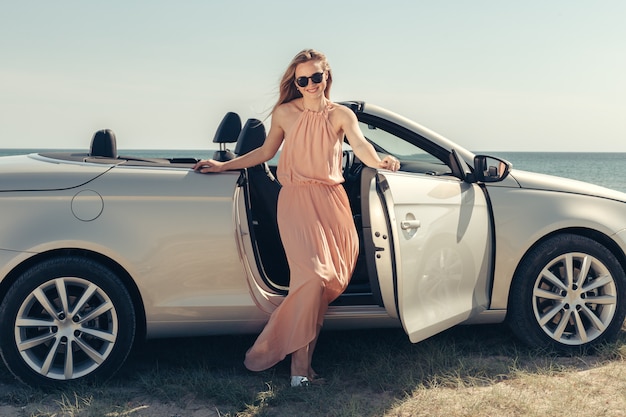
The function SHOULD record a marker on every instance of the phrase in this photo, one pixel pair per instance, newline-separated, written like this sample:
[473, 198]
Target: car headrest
[229, 129]
[251, 137]
[104, 144]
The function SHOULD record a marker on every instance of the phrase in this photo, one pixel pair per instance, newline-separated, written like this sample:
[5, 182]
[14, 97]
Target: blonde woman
[314, 216]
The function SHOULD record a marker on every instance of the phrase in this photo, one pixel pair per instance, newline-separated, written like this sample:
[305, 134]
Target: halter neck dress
[318, 233]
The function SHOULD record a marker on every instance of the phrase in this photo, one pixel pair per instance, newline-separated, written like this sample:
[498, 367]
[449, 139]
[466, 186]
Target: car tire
[551, 304]
[66, 319]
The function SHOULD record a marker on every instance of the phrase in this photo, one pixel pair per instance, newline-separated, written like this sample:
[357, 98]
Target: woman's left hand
[389, 162]
[208, 165]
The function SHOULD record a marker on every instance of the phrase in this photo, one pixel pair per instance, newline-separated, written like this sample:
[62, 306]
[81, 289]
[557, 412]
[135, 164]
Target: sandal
[300, 381]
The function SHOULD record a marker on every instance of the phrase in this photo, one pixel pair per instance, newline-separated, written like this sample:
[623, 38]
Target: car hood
[37, 173]
[535, 181]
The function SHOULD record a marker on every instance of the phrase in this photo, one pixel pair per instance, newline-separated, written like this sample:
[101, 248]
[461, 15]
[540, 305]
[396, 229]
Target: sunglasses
[316, 78]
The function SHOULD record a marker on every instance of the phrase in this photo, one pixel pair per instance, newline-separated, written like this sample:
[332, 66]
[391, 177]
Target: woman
[314, 217]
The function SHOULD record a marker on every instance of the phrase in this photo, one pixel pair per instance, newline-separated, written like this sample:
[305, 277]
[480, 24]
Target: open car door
[429, 243]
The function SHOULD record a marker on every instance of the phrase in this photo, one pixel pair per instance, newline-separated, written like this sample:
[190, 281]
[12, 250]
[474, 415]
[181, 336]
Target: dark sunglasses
[316, 78]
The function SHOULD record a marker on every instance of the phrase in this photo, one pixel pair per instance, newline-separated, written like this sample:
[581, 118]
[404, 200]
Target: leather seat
[262, 191]
[227, 132]
[104, 144]
[252, 136]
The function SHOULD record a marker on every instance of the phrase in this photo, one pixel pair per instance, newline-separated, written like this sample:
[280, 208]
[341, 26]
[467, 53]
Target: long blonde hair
[288, 90]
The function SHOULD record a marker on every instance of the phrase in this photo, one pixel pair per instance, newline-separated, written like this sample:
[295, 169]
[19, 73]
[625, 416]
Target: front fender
[520, 225]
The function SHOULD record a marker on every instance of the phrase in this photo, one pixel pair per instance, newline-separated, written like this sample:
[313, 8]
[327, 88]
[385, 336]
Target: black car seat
[227, 132]
[104, 144]
[262, 193]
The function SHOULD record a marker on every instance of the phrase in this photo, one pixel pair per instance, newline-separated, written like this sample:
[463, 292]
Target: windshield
[412, 157]
[394, 145]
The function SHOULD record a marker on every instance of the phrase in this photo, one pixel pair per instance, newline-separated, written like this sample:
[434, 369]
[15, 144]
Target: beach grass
[465, 371]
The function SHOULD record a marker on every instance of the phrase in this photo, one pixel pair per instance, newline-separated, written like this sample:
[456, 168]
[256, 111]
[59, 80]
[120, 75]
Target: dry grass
[594, 392]
[467, 371]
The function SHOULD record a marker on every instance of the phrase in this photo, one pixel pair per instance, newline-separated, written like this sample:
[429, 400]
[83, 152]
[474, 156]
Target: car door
[431, 245]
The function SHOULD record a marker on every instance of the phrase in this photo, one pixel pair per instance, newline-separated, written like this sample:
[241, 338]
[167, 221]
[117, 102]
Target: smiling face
[306, 63]
[308, 69]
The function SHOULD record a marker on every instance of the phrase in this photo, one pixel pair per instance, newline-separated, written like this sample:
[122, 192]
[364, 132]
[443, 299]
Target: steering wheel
[347, 161]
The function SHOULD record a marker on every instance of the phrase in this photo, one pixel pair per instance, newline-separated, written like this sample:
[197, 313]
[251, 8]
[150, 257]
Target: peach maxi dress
[318, 233]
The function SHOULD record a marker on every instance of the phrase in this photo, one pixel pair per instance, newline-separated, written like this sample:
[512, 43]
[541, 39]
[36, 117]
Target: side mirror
[490, 169]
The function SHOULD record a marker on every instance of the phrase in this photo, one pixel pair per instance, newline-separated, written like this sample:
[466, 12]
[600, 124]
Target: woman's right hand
[208, 165]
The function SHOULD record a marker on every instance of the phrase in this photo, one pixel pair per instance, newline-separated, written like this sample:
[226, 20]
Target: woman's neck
[314, 104]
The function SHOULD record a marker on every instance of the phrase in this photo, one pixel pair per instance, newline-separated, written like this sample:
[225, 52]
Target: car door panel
[178, 236]
[439, 234]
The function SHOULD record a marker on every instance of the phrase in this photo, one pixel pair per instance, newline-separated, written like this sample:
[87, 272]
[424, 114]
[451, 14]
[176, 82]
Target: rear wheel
[66, 319]
[569, 292]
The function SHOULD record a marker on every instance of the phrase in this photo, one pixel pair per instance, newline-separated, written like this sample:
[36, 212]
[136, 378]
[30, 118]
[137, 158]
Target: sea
[607, 169]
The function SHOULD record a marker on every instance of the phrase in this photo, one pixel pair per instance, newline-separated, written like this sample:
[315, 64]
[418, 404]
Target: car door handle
[410, 224]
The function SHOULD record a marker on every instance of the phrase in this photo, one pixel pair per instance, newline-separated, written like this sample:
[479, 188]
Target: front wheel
[568, 293]
[66, 319]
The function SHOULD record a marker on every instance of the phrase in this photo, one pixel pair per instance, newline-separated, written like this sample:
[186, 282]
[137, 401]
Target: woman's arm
[360, 146]
[263, 154]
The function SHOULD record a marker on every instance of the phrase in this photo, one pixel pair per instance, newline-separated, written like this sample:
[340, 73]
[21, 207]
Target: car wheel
[568, 293]
[66, 319]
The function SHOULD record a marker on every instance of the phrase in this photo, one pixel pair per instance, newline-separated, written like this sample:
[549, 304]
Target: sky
[533, 75]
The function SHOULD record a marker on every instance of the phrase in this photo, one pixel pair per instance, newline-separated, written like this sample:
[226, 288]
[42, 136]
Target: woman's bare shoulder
[285, 114]
[290, 107]
[341, 113]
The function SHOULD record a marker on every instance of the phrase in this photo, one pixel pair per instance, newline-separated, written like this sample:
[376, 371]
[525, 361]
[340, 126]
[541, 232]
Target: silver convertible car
[99, 250]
